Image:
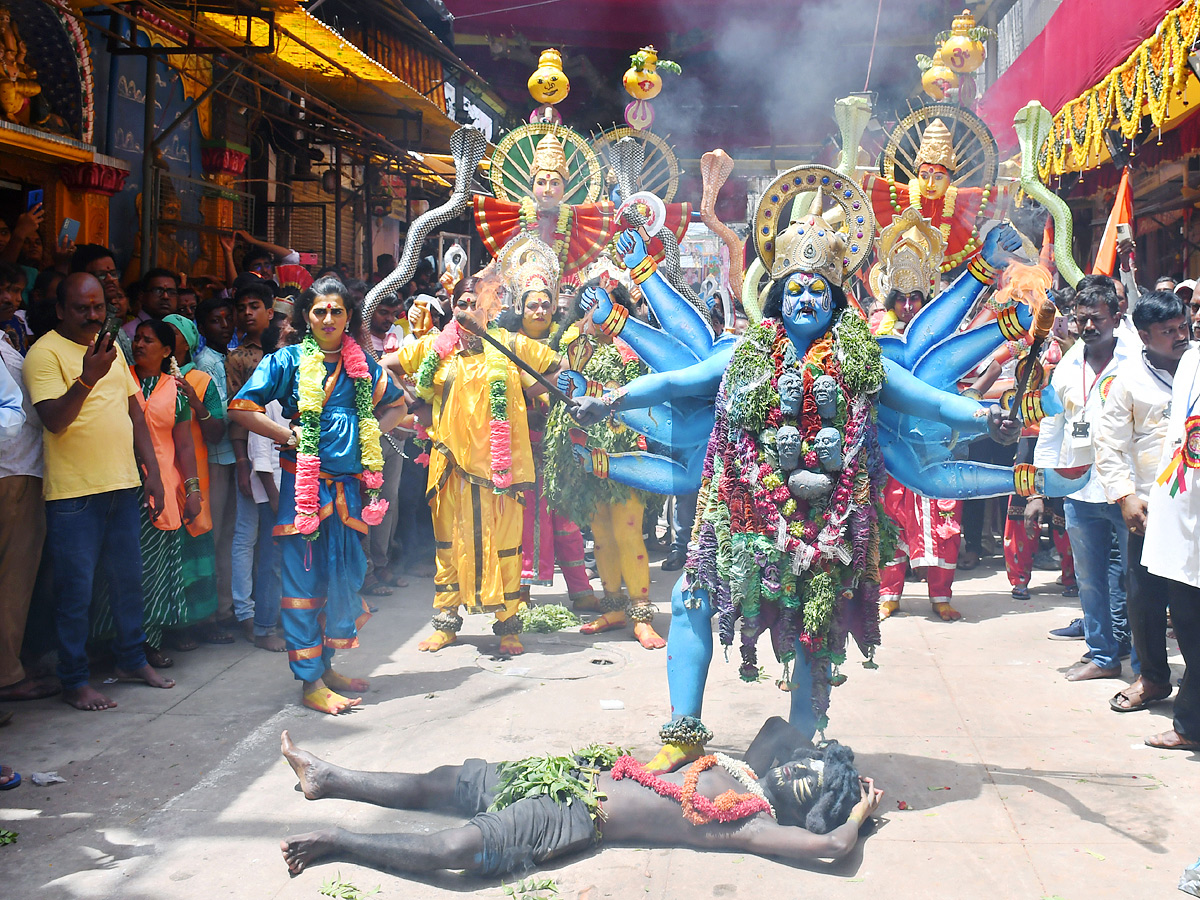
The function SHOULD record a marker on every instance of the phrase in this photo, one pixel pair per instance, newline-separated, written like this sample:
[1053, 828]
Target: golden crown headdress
[937, 146]
[910, 256]
[528, 264]
[550, 157]
[811, 245]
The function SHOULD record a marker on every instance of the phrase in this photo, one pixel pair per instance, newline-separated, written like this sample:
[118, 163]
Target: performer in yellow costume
[480, 464]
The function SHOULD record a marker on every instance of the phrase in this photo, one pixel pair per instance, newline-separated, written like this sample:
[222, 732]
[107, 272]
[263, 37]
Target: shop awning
[1080, 45]
[310, 53]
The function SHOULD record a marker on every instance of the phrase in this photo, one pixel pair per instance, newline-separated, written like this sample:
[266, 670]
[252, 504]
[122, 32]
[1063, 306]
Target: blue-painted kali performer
[788, 536]
[339, 400]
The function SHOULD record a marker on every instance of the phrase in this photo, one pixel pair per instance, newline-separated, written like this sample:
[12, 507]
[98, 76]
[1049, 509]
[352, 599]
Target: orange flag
[1122, 212]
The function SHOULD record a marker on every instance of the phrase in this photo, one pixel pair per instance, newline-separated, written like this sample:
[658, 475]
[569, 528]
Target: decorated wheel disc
[660, 173]
[512, 164]
[978, 160]
[845, 207]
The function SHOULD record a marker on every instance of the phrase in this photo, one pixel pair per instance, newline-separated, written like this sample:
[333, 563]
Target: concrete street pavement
[1018, 784]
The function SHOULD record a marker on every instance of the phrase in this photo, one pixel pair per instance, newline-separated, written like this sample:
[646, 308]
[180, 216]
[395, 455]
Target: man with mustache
[1129, 442]
[1083, 381]
[94, 440]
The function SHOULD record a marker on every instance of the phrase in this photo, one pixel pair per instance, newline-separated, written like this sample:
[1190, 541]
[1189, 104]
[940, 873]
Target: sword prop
[470, 325]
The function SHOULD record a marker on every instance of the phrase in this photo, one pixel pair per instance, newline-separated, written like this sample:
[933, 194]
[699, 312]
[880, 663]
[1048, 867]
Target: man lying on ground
[809, 805]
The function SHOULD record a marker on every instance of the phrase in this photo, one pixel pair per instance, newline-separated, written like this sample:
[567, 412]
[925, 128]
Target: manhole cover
[575, 663]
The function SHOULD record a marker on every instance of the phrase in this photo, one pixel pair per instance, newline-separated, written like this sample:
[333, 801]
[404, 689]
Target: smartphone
[1124, 232]
[34, 198]
[69, 231]
[308, 259]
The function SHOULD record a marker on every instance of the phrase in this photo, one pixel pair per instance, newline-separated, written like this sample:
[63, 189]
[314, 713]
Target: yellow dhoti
[478, 534]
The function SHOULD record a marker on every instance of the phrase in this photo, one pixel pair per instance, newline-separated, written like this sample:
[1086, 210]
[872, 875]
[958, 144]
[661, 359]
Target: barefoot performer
[338, 399]
[613, 510]
[809, 804]
[480, 465]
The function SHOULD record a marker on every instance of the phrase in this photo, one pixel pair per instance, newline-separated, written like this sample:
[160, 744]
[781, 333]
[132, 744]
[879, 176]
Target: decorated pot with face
[787, 440]
[828, 447]
[791, 392]
[825, 391]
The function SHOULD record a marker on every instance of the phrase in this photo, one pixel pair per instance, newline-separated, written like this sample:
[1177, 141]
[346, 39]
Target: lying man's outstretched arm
[763, 837]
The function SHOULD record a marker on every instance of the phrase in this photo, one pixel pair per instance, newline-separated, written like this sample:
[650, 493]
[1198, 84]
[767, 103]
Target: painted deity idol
[955, 211]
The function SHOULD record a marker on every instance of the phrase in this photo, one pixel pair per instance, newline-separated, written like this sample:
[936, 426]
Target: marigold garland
[730, 806]
[1152, 73]
[311, 391]
[562, 226]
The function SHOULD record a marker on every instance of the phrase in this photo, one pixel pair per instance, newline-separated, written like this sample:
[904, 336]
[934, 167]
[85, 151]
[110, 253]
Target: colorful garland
[500, 428]
[800, 569]
[311, 389]
[730, 806]
[1148, 78]
[569, 489]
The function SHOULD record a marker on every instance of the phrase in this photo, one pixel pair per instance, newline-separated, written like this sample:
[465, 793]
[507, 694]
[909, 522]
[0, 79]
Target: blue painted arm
[950, 360]
[671, 308]
[699, 380]
[907, 394]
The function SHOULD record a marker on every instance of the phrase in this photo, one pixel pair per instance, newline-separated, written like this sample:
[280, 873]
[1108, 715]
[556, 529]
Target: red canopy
[1083, 41]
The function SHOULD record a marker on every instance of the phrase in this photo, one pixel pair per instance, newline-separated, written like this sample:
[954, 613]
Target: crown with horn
[528, 264]
[550, 157]
[910, 256]
[811, 245]
[937, 147]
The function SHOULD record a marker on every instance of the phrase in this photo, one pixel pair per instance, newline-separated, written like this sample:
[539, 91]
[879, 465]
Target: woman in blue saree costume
[330, 457]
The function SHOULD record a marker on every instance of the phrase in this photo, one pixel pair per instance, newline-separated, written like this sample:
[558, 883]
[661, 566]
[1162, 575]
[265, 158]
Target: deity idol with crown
[955, 211]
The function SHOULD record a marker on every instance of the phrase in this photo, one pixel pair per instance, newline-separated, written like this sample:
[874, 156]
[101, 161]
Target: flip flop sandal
[1183, 745]
[216, 634]
[181, 642]
[378, 589]
[1146, 702]
[14, 779]
[157, 659]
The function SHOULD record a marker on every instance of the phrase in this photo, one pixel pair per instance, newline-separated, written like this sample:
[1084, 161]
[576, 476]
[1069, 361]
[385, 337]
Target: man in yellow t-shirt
[94, 437]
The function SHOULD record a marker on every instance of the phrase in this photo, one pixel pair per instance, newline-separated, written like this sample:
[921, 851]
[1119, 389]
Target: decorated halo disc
[774, 213]
[512, 164]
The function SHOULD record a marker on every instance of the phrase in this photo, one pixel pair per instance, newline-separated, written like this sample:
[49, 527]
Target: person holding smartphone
[80, 383]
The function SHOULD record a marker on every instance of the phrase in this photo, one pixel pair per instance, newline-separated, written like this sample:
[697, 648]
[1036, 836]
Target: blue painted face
[807, 307]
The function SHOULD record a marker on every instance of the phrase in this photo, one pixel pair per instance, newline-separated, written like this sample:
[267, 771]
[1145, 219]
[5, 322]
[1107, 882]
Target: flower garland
[311, 390]
[569, 490]
[1148, 78]
[797, 568]
[730, 806]
[499, 428]
[562, 226]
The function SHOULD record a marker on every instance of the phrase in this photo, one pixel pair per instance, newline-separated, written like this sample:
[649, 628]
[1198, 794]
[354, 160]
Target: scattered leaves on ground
[344, 890]
[531, 889]
[7, 837]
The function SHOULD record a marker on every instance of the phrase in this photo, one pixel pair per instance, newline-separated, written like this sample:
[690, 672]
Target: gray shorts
[528, 832]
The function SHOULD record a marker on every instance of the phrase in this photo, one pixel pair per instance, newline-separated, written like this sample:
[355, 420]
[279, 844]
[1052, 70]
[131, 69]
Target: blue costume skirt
[321, 608]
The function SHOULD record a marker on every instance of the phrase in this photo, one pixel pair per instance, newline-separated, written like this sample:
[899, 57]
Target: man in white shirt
[1172, 552]
[22, 526]
[1082, 381]
[1129, 441]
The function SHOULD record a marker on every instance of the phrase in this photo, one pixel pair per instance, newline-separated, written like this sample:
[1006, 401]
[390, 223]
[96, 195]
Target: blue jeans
[684, 519]
[256, 585]
[83, 534]
[1093, 528]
